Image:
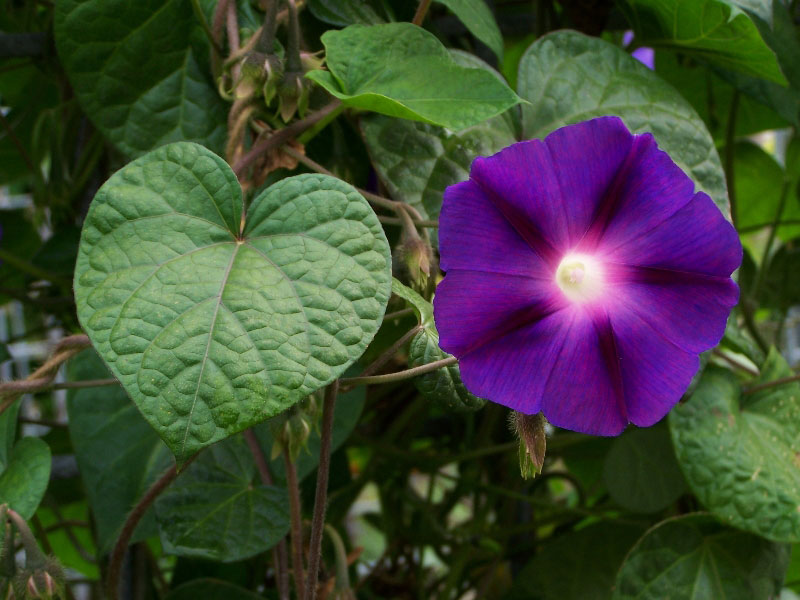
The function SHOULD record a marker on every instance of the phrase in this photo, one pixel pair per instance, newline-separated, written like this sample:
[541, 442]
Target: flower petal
[690, 310]
[512, 370]
[472, 308]
[474, 235]
[549, 190]
[655, 372]
[697, 238]
[647, 190]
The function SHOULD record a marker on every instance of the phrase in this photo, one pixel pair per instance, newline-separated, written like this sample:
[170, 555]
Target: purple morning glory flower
[583, 277]
[644, 54]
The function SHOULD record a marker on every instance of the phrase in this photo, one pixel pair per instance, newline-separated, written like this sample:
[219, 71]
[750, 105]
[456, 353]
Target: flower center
[580, 277]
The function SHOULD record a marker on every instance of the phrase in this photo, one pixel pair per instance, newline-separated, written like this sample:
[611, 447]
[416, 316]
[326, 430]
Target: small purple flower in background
[643, 54]
[583, 277]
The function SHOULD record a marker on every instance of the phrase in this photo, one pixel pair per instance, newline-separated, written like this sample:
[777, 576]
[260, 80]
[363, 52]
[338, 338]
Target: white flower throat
[580, 277]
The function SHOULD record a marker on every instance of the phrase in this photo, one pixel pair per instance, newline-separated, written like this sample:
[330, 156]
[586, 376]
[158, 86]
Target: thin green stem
[201, 18]
[401, 375]
[750, 228]
[321, 496]
[730, 154]
[766, 256]
[30, 268]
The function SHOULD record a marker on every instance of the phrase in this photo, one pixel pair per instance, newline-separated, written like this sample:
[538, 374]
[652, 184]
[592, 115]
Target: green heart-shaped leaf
[569, 77]
[217, 509]
[695, 557]
[211, 330]
[139, 71]
[743, 462]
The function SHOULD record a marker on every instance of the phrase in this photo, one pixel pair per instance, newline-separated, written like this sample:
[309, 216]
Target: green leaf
[694, 557]
[713, 30]
[58, 253]
[137, 70]
[211, 589]
[418, 161]
[761, 105]
[743, 462]
[4, 353]
[781, 287]
[479, 20]
[578, 565]
[596, 78]
[104, 418]
[217, 510]
[8, 432]
[401, 70]
[758, 178]
[25, 479]
[211, 332]
[641, 472]
[345, 12]
[422, 308]
[443, 386]
[19, 237]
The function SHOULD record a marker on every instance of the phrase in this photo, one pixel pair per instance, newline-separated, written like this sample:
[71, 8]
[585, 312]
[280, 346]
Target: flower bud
[530, 430]
[259, 74]
[417, 257]
[293, 94]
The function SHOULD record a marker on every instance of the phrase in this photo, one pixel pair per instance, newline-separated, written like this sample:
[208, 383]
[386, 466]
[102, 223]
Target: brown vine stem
[296, 516]
[118, 553]
[401, 208]
[771, 384]
[43, 377]
[400, 375]
[280, 558]
[422, 10]
[321, 496]
[390, 352]
[281, 136]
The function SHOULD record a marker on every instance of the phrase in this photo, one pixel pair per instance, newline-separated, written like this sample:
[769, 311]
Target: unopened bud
[417, 257]
[293, 94]
[530, 429]
[311, 61]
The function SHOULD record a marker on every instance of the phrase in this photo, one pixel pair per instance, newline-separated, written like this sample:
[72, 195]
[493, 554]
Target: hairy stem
[296, 515]
[280, 137]
[771, 384]
[321, 496]
[401, 375]
[390, 352]
[280, 559]
[121, 545]
[422, 10]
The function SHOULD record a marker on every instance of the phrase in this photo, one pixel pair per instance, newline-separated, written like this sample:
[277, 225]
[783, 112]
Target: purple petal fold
[689, 310]
[474, 308]
[696, 238]
[479, 238]
[655, 372]
[583, 390]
